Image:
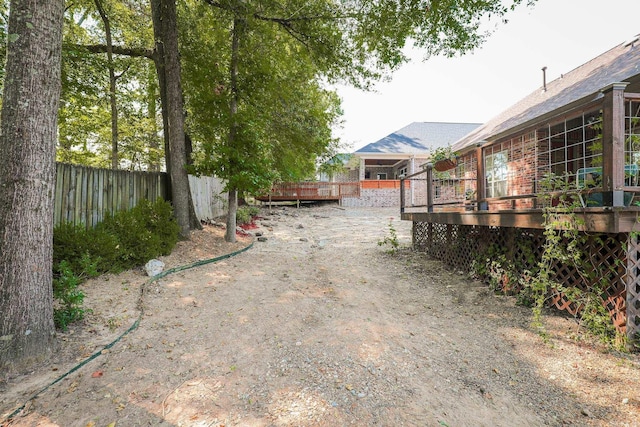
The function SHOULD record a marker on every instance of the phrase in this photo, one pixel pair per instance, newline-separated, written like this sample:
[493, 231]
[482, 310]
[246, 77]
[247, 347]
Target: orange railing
[381, 183]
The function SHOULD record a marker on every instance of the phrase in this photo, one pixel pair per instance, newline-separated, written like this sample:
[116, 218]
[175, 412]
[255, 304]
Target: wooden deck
[311, 191]
[602, 220]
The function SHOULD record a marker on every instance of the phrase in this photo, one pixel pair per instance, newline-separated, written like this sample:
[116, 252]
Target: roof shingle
[419, 138]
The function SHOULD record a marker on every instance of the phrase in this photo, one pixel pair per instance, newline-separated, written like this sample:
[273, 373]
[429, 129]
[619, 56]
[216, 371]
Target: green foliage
[391, 239]
[246, 213]
[85, 114]
[144, 232]
[284, 115]
[123, 240]
[243, 216]
[336, 164]
[442, 153]
[68, 297]
[534, 280]
[563, 245]
[72, 243]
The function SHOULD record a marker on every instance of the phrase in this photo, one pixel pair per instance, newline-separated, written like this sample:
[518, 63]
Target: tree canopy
[287, 47]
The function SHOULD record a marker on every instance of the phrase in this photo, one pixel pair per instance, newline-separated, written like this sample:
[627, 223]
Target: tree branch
[118, 50]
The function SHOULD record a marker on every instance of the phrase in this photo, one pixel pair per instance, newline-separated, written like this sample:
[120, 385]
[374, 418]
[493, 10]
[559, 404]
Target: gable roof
[419, 138]
[583, 84]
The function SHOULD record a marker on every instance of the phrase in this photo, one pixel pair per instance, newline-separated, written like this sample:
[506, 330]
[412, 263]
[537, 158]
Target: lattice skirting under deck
[616, 255]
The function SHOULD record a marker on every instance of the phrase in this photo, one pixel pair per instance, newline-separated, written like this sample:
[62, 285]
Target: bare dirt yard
[318, 326]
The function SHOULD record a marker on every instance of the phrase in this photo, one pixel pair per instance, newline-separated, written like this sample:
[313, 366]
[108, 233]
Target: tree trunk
[27, 181]
[158, 60]
[152, 111]
[238, 24]
[164, 11]
[230, 233]
[115, 160]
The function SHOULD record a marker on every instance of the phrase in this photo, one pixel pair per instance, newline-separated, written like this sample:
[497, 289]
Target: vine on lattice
[566, 276]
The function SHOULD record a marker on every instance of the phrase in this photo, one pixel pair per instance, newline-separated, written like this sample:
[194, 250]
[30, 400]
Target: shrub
[72, 242]
[144, 232]
[68, 297]
[245, 214]
[123, 240]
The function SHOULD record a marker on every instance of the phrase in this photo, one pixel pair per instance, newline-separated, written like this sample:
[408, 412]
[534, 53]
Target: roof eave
[486, 139]
[374, 155]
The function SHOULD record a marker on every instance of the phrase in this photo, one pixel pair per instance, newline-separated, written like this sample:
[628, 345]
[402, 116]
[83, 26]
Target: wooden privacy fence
[84, 194]
[209, 200]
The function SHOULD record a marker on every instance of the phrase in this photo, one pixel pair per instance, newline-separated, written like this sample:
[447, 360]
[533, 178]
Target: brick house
[370, 177]
[379, 165]
[584, 127]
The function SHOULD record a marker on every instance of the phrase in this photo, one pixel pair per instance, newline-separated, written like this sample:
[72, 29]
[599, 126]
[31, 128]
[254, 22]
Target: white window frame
[496, 173]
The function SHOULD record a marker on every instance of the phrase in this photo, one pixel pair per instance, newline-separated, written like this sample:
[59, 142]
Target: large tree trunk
[166, 32]
[27, 181]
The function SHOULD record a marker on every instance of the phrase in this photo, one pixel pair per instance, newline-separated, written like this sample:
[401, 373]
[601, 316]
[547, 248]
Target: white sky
[558, 34]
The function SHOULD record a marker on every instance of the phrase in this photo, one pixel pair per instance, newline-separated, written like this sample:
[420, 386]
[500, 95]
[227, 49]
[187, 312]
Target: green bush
[68, 297]
[245, 214]
[144, 232]
[123, 240]
[72, 242]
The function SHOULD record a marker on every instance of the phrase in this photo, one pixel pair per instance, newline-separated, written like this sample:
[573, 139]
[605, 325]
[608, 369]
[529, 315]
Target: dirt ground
[319, 326]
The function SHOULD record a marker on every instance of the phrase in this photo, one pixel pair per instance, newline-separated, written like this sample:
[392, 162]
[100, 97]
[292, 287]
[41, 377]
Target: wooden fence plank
[77, 206]
[88, 205]
[71, 198]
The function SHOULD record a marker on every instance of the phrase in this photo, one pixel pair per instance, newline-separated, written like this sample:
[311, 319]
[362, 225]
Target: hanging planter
[444, 165]
[444, 159]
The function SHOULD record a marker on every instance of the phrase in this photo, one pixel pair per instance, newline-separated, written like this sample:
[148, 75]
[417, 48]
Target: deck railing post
[402, 201]
[480, 180]
[429, 187]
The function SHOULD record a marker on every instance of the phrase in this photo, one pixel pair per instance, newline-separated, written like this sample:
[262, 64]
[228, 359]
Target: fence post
[402, 195]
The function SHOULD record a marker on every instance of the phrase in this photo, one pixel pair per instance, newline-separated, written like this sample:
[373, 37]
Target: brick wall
[375, 198]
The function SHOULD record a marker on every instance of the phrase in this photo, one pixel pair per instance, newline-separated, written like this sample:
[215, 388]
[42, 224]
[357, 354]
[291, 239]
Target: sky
[558, 34]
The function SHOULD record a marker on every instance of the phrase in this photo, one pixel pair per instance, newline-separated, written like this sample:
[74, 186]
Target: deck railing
[311, 191]
[385, 184]
[429, 194]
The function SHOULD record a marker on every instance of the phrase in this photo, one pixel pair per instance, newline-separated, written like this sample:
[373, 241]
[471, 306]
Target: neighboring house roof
[620, 64]
[419, 138]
